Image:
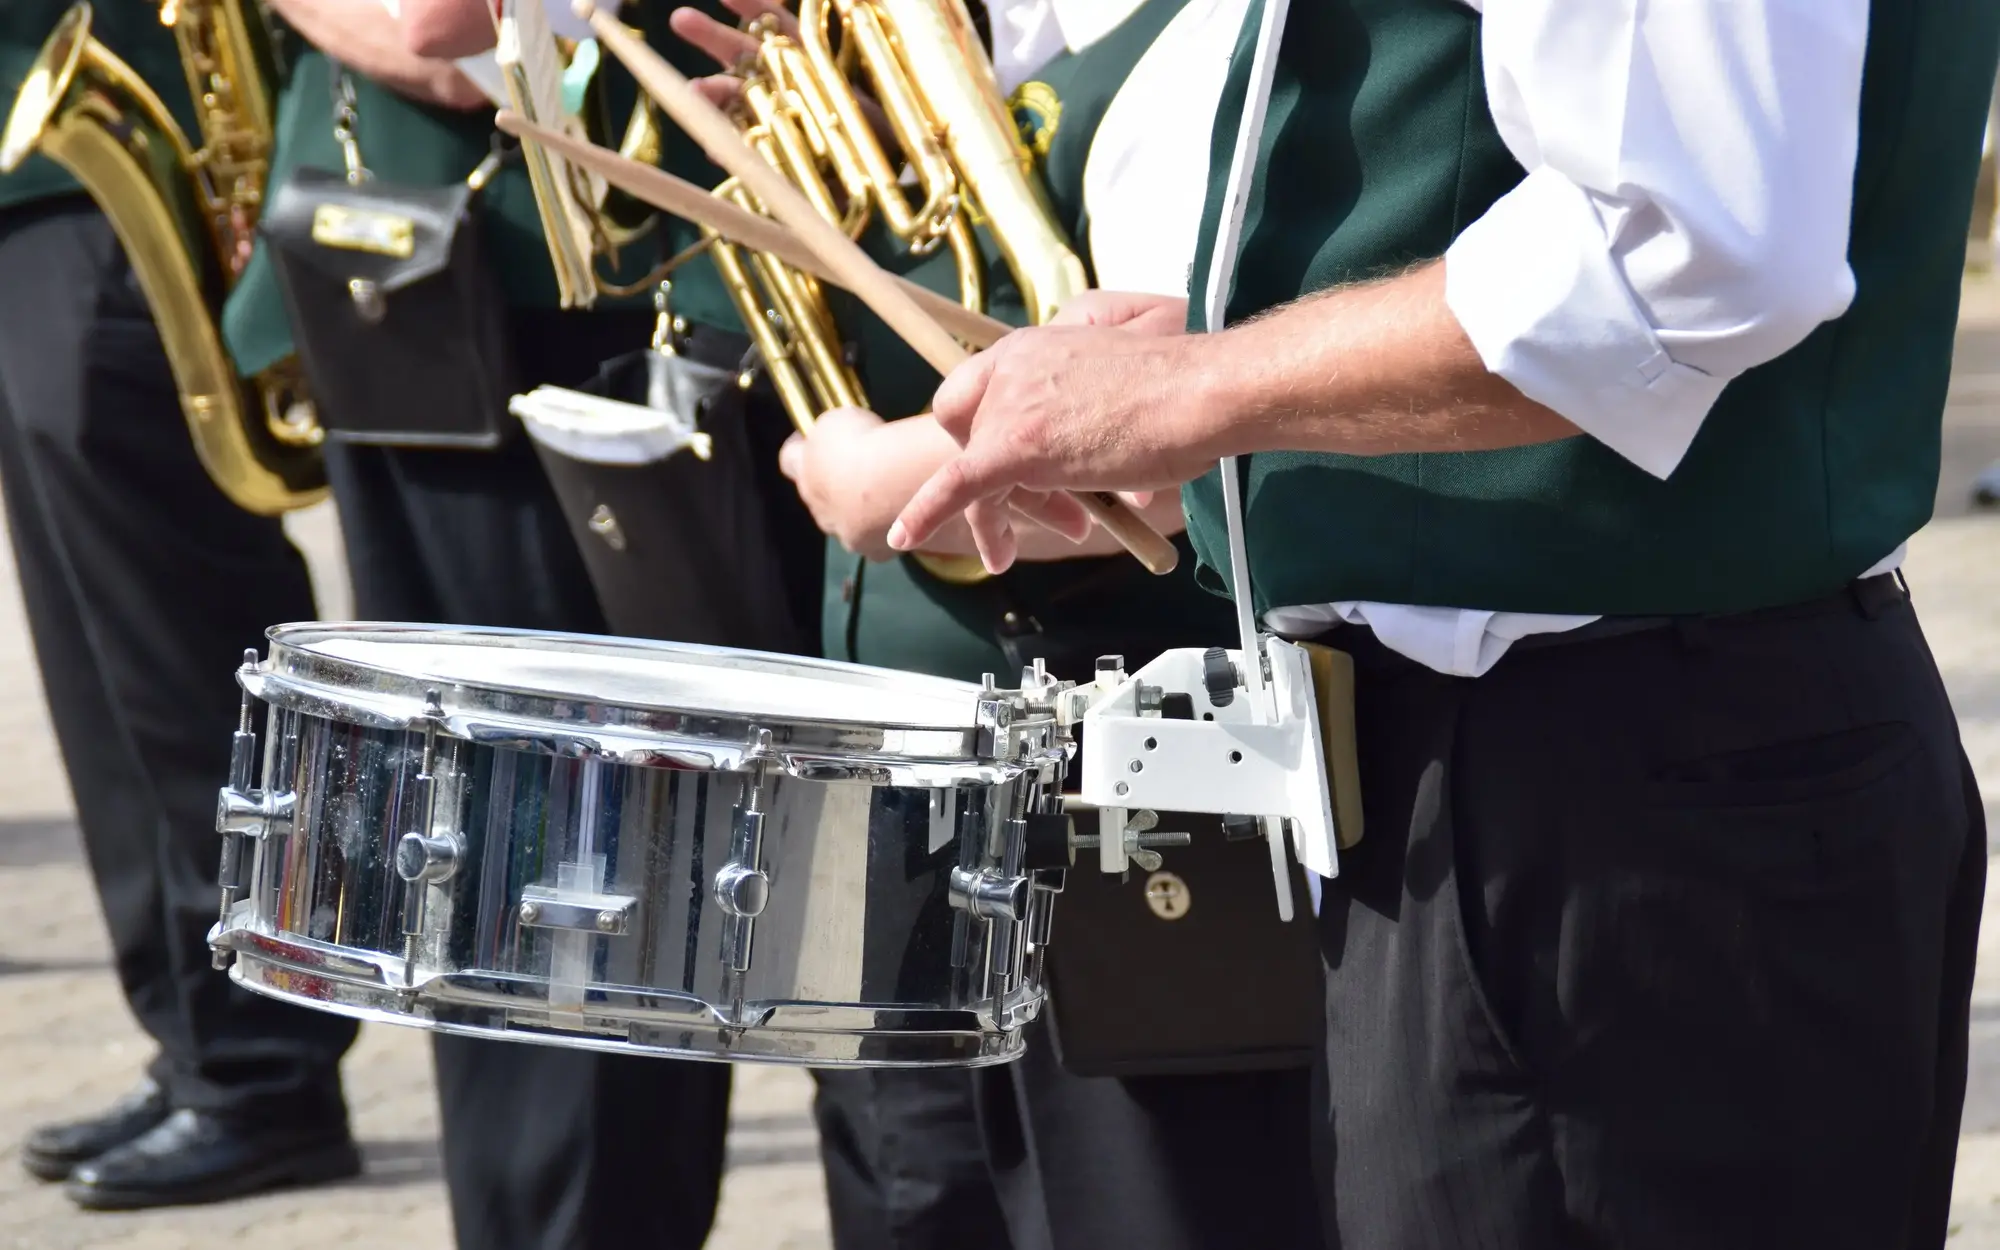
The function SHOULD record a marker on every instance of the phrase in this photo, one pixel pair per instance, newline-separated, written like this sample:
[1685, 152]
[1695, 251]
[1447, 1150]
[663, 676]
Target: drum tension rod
[424, 858]
[242, 810]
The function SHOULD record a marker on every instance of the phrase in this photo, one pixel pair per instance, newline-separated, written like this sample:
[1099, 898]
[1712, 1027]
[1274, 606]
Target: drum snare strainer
[639, 846]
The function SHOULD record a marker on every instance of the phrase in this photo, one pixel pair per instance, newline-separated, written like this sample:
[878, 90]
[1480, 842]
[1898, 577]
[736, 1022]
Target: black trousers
[143, 585]
[544, 1149]
[1657, 940]
[1199, 1162]
[1029, 1157]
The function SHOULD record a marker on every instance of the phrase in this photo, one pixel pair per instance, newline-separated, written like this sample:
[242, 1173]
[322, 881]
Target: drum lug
[1047, 883]
[243, 811]
[424, 859]
[988, 895]
[430, 859]
[740, 887]
[254, 813]
[742, 891]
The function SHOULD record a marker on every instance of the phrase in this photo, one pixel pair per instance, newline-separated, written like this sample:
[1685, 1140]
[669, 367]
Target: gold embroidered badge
[1037, 112]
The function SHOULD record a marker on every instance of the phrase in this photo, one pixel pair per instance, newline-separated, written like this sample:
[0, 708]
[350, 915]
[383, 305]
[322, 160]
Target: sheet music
[531, 67]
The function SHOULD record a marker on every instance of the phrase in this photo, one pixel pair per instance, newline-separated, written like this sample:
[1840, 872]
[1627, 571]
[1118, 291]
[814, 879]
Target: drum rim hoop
[346, 689]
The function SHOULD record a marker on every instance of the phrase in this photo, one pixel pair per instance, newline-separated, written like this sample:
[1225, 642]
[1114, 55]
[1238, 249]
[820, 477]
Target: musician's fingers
[725, 43]
[993, 534]
[750, 10]
[792, 457]
[957, 399]
[845, 422]
[959, 482]
[721, 90]
[1058, 511]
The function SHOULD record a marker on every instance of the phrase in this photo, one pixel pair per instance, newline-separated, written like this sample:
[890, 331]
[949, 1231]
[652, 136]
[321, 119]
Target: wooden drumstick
[849, 265]
[735, 223]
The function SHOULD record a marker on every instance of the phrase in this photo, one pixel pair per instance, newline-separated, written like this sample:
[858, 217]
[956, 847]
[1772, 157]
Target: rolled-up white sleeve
[1685, 214]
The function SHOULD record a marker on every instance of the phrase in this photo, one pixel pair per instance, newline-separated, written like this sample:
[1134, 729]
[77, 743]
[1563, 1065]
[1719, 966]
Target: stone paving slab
[67, 1042]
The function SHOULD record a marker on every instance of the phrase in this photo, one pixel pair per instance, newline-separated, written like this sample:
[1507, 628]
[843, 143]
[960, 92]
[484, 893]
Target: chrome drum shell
[673, 864]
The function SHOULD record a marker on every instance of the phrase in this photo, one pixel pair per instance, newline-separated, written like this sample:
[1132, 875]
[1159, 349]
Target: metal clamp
[577, 911]
[1141, 842]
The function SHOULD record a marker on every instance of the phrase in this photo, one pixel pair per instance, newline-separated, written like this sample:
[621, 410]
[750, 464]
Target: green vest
[130, 29]
[894, 614]
[402, 141]
[1380, 148]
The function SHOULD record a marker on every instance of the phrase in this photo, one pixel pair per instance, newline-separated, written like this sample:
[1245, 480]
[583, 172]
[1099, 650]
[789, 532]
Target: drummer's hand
[1109, 401]
[1126, 310]
[837, 471]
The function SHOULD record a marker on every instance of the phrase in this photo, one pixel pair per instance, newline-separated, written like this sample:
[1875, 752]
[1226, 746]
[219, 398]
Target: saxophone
[185, 217]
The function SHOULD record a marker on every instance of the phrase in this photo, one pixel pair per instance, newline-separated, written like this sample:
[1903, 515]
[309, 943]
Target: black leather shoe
[54, 1150]
[193, 1157]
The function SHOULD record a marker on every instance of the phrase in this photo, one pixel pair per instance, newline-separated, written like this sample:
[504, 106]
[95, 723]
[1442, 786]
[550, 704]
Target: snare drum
[636, 846]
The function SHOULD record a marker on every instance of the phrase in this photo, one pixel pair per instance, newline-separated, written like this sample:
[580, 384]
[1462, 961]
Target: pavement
[66, 1040]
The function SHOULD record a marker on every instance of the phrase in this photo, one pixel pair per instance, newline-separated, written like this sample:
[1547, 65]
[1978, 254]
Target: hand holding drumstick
[852, 268]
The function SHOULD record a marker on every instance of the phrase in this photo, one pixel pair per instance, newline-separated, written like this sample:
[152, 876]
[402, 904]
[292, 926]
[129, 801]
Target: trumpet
[947, 125]
[183, 216]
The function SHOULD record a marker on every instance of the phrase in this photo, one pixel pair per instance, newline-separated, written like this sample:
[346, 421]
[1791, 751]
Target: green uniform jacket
[405, 142]
[130, 28]
[894, 614]
[1380, 148]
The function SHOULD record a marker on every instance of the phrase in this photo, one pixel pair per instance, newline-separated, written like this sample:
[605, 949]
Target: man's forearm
[447, 28]
[1367, 370]
[903, 455]
[361, 35]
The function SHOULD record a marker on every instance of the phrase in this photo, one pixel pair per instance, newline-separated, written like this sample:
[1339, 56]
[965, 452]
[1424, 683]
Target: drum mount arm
[1229, 733]
[1171, 738]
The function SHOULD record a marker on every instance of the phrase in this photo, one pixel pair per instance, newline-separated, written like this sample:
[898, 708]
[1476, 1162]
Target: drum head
[500, 683]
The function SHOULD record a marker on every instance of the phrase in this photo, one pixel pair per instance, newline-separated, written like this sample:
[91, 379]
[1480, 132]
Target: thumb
[792, 457]
[958, 398]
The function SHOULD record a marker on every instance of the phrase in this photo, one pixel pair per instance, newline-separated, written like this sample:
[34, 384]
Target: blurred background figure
[543, 1148]
[143, 584]
[1979, 258]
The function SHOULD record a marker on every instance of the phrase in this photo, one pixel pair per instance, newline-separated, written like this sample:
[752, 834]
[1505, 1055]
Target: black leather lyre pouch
[1186, 969]
[395, 311]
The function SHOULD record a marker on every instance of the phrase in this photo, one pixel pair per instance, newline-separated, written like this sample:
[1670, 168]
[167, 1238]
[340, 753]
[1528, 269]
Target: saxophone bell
[180, 214]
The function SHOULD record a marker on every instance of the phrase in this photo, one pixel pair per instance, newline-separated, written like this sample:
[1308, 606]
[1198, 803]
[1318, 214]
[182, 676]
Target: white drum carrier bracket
[1188, 733]
[241, 809]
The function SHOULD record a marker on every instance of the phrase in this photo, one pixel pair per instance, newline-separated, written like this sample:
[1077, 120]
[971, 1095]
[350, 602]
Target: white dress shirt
[1684, 218]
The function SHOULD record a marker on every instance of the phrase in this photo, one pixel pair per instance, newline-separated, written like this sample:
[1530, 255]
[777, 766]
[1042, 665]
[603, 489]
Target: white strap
[1221, 277]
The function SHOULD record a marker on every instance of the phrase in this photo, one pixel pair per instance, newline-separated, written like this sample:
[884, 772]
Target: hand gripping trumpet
[938, 92]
